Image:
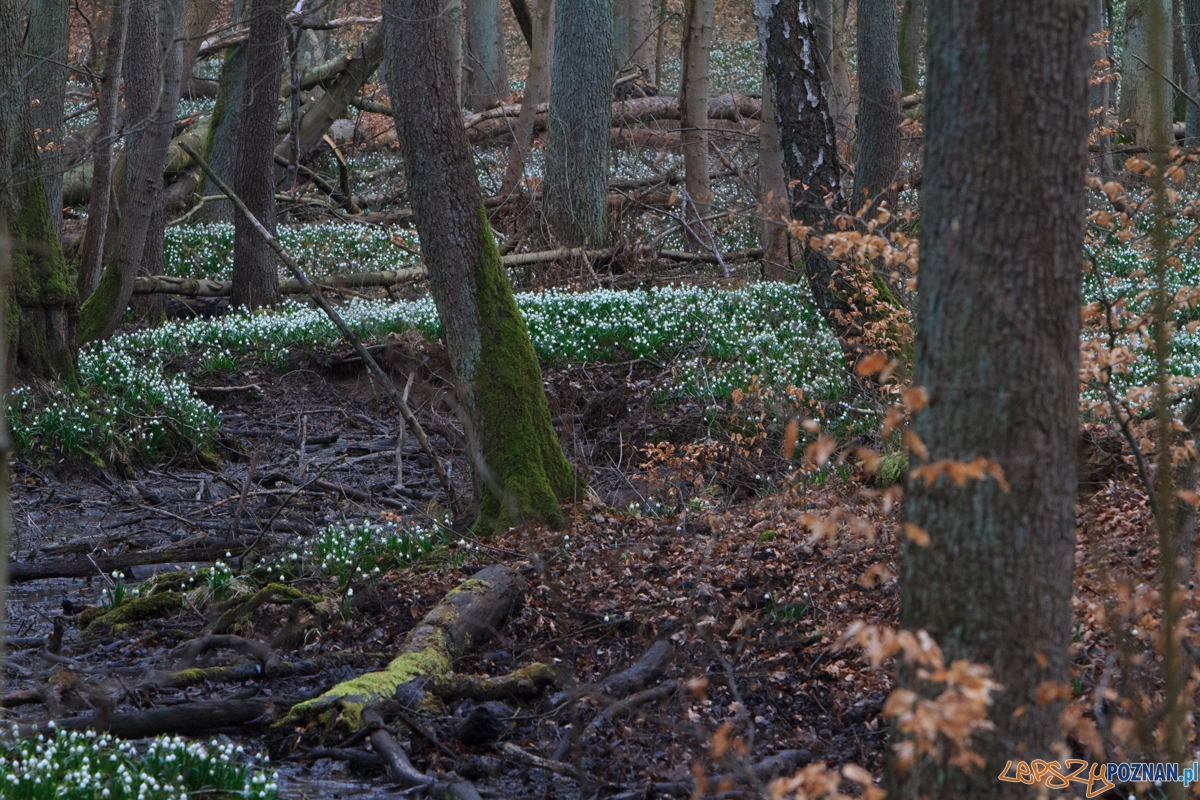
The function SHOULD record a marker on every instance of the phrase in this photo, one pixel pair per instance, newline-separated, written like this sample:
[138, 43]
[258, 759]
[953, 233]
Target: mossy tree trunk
[152, 70]
[46, 48]
[221, 142]
[255, 274]
[911, 44]
[41, 303]
[581, 88]
[520, 470]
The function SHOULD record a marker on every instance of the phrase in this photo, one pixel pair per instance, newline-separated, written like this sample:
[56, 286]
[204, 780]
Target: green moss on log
[519, 442]
[238, 610]
[94, 621]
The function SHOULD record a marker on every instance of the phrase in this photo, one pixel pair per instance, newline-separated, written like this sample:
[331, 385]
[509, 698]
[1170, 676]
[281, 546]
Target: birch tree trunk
[111, 61]
[152, 69]
[998, 316]
[42, 342]
[520, 470]
[536, 90]
[693, 105]
[46, 82]
[255, 274]
[879, 116]
[1137, 107]
[576, 185]
[485, 63]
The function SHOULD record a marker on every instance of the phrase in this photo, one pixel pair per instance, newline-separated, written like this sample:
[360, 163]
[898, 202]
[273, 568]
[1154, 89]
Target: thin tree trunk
[828, 37]
[1136, 109]
[622, 9]
[912, 43]
[486, 68]
[879, 116]
[520, 470]
[255, 274]
[1191, 30]
[581, 88]
[221, 142]
[998, 319]
[772, 194]
[452, 11]
[44, 342]
[536, 90]
[46, 48]
[1100, 94]
[693, 102]
[152, 67]
[102, 161]
[197, 17]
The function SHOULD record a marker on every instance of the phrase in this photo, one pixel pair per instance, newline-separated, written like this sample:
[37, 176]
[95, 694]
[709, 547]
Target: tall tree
[998, 315]
[110, 62]
[693, 107]
[41, 306]
[879, 115]
[152, 78]
[830, 37]
[633, 45]
[537, 84]
[221, 141]
[46, 82]
[1191, 31]
[576, 184]
[255, 274]
[520, 470]
[1137, 104]
[485, 63]
[912, 42]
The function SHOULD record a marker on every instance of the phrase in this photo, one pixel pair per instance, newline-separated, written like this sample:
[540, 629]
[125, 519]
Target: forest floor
[751, 588]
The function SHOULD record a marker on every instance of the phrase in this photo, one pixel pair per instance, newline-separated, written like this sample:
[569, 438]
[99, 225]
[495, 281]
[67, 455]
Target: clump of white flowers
[356, 552]
[84, 765]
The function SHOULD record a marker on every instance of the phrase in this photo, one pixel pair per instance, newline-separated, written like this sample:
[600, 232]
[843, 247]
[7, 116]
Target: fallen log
[459, 623]
[201, 287]
[190, 718]
[19, 571]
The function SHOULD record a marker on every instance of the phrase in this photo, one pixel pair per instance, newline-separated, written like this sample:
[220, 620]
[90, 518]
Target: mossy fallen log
[455, 626]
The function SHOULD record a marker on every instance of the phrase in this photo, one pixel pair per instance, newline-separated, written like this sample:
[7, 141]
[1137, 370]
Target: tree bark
[221, 142]
[693, 102]
[536, 90]
[641, 38]
[152, 67]
[772, 193]
[107, 125]
[879, 114]
[830, 39]
[1136, 109]
[46, 82]
[255, 274]
[577, 146]
[998, 316]
[197, 16]
[41, 338]
[485, 61]
[520, 470]
[808, 139]
[1191, 29]
[911, 43]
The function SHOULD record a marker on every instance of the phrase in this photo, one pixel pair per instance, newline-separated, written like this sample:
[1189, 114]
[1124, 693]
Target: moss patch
[95, 621]
[519, 443]
[238, 610]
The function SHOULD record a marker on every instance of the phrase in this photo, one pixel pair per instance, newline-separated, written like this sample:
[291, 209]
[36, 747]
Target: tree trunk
[255, 274]
[197, 16]
[998, 339]
[641, 38]
[520, 470]
[41, 303]
[107, 125]
[1191, 29]
[1100, 94]
[46, 81]
[1136, 110]
[693, 102]
[221, 142]
[912, 43]
[486, 68]
[809, 145]
[622, 10]
[536, 86]
[879, 115]
[576, 184]
[772, 194]
[830, 38]
[453, 17]
[152, 68]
